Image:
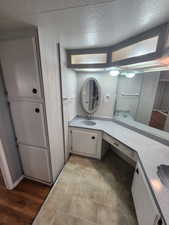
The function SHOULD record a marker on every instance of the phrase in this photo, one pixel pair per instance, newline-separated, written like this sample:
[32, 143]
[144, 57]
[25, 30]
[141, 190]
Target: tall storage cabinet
[21, 67]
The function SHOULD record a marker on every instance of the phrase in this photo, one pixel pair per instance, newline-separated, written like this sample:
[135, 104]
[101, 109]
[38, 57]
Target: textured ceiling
[100, 22]
[29, 7]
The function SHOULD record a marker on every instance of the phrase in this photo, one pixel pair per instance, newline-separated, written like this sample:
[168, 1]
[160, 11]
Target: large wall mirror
[142, 101]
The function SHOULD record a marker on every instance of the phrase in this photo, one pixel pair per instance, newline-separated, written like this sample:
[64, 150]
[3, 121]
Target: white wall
[50, 72]
[69, 94]
[108, 86]
[147, 98]
[69, 87]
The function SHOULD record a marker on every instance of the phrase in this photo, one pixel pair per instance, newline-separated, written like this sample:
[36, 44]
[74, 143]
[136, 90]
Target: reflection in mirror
[144, 99]
[90, 95]
[159, 116]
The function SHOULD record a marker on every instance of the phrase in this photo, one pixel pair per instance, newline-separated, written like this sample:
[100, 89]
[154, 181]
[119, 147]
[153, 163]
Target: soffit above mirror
[145, 52]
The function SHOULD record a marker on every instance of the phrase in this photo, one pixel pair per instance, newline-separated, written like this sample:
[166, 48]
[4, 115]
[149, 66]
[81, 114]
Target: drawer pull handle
[34, 91]
[37, 110]
[93, 137]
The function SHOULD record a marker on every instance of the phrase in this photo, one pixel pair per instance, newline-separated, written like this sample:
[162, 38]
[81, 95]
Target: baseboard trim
[16, 183]
[39, 181]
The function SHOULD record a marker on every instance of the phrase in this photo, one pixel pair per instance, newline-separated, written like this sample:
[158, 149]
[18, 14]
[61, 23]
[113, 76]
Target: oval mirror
[90, 95]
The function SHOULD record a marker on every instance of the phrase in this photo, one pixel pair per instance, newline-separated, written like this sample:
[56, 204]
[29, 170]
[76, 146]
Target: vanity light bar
[113, 72]
[90, 69]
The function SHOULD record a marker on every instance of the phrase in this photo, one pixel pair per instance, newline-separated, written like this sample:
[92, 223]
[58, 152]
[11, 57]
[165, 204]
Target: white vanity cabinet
[85, 142]
[146, 209]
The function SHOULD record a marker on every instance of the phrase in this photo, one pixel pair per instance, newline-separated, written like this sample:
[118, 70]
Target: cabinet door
[20, 68]
[146, 210]
[35, 162]
[28, 118]
[84, 142]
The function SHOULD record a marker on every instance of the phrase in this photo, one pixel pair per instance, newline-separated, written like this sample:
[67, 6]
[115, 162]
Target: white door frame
[5, 169]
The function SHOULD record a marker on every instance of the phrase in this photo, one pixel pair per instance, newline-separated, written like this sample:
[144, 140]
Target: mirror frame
[99, 93]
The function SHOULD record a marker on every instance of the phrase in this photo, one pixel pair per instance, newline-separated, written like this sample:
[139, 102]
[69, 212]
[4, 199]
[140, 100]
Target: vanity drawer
[121, 147]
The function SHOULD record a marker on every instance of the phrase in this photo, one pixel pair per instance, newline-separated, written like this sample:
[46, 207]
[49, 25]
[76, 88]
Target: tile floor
[91, 192]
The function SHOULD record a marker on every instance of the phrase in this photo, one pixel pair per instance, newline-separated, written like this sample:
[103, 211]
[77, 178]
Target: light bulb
[130, 75]
[114, 73]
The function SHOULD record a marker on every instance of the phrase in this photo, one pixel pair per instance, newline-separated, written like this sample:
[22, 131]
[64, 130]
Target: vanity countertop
[151, 154]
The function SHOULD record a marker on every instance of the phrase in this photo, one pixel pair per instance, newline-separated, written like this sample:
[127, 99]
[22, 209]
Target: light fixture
[89, 69]
[111, 68]
[114, 73]
[130, 75]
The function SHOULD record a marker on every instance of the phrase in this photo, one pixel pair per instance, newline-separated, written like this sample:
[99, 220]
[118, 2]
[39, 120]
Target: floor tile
[62, 219]
[91, 192]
